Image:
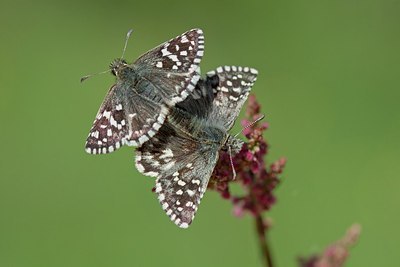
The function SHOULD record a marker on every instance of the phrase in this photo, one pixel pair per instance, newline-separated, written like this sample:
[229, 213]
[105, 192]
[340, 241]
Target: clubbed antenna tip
[84, 78]
[128, 35]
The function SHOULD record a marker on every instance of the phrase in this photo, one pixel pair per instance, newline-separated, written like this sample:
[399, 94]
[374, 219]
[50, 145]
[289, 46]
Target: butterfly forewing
[116, 123]
[173, 67]
[109, 130]
[233, 88]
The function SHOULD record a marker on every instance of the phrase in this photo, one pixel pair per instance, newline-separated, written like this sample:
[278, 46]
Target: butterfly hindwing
[179, 163]
[199, 102]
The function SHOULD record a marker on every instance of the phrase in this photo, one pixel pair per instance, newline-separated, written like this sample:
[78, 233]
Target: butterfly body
[184, 152]
[205, 131]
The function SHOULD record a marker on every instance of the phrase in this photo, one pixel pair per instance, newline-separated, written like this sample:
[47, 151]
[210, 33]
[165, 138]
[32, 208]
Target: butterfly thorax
[199, 129]
[119, 68]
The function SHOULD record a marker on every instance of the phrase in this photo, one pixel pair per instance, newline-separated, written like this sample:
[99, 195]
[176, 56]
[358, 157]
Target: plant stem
[265, 249]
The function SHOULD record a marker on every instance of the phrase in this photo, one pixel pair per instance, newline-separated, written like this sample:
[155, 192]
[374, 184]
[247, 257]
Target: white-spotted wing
[183, 154]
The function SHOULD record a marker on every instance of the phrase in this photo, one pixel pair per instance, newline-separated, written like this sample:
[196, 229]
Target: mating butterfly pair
[178, 121]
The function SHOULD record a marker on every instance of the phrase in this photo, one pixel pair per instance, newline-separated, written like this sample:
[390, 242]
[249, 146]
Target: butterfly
[136, 106]
[184, 152]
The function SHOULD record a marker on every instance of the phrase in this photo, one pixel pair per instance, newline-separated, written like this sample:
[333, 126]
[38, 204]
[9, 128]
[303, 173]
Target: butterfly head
[117, 66]
[234, 143]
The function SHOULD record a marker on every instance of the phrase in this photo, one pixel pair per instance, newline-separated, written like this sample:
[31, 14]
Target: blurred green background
[328, 83]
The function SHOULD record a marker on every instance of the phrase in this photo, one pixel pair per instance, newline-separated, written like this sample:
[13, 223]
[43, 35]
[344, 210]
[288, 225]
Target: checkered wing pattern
[233, 88]
[173, 67]
[109, 129]
[181, 166]
[115, 123]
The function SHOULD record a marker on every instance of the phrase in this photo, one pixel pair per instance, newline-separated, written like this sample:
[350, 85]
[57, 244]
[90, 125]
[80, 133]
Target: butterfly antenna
[231, 160]
[84, 78]
[128, 35]
[250, 124]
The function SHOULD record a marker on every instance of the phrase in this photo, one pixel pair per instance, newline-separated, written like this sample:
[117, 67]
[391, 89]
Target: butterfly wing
[221, 95]
[199, 102]
[233, 88]
[109, 129]
[182, 166]
[117, 121]
[172, 68]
